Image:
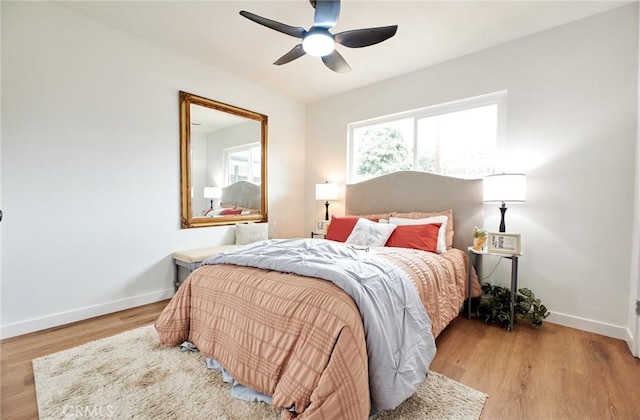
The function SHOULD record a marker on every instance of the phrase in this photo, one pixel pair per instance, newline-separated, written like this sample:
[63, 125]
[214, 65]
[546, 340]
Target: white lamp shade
[327, 191]
[505, 187]
[212, 192]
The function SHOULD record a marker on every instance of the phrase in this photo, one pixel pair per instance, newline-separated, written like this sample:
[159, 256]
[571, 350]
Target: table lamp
[327, 191]
[505, 188]
[211, 193]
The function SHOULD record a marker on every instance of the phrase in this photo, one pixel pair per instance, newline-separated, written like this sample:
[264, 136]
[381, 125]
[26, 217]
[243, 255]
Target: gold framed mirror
[223, 163]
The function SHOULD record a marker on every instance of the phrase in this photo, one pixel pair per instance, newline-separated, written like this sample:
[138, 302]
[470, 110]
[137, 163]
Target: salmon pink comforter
[296, 338]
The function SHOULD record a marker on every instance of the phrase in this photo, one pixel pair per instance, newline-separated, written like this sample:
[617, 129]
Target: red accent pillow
[424, 237]
[227, 212]
[340, 227]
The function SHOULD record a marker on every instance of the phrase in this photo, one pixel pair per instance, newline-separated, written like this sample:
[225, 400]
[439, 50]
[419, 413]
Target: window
[243, 163]
[458, 139]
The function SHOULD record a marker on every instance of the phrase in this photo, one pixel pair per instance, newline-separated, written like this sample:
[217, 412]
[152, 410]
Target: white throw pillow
[368, 233]
[247, 233]
[441, 247]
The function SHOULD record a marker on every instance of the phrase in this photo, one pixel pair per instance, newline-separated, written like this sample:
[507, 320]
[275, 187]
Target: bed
[361, 340]
[241, 198]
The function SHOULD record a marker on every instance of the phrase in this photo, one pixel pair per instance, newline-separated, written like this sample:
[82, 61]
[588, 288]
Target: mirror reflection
[223, 163]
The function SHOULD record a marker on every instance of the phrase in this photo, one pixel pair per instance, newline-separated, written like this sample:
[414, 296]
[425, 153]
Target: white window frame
[227, 151]
[495, 98]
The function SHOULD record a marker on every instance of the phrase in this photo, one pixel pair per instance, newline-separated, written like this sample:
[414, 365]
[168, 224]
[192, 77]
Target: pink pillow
[424, 237]
[340, 227]
[423, 215]
[228, 212]
[442, 220]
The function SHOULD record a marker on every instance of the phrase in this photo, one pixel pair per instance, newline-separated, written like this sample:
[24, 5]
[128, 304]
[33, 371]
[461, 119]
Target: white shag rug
[132, 376]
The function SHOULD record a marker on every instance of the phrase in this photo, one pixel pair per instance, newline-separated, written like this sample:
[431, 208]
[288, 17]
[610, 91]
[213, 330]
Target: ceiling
[429, 32]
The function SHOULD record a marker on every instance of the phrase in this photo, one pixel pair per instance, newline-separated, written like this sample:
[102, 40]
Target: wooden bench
[192, 258]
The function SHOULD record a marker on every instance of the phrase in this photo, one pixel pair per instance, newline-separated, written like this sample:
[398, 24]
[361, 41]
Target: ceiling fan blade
[335, 62]
[327, 12]
[358, 38]
[294, 31]
[296, 52]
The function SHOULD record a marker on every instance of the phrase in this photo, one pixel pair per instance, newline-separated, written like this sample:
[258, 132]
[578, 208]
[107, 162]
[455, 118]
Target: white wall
[571, 126]
[634, 289]
[90, 165]
[1, 208]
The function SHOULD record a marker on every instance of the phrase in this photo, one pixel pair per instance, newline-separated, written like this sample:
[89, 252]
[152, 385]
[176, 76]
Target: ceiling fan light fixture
[318, 44]
[318, 41]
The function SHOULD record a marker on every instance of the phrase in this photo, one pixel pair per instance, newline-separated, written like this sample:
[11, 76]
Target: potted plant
[479, 237]
[496, 306]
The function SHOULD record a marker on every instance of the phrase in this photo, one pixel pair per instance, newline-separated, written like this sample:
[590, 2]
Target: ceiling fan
[318, 41]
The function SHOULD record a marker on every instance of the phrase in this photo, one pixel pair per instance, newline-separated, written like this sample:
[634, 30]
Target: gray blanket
[400, 345]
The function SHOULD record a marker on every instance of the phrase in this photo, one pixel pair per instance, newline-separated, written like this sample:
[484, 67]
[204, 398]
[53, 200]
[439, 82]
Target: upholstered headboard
[409, 191]
[241, 194]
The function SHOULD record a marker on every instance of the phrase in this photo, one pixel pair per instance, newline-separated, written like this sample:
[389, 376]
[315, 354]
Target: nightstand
[192, 259]
[475, 258]
[323, 234]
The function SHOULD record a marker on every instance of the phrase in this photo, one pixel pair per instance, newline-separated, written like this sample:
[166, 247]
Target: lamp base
[326, 213]
[503, 210]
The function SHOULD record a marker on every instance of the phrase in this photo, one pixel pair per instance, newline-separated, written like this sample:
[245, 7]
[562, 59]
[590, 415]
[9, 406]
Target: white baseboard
[631, 343]
[596, 327]
[75, 315]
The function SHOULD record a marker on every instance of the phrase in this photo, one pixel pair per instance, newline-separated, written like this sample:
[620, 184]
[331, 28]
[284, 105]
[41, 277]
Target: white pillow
[441, 247]
[368, 233]
[247, 233]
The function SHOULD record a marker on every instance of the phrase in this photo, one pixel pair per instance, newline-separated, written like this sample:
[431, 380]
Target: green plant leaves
[495, 306]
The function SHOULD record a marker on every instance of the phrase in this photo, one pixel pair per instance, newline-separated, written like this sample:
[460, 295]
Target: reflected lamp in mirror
[212, 193]
[505, 188]
[327, 191]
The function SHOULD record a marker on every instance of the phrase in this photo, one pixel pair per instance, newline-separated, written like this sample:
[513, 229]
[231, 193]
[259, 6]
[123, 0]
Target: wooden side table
[474, 262]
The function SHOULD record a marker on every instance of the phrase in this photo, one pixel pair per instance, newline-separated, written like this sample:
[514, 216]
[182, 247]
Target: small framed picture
[321, 226]
[503, 243]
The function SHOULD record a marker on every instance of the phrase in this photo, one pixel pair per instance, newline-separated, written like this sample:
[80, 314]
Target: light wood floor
[553, 372]
[548, 373]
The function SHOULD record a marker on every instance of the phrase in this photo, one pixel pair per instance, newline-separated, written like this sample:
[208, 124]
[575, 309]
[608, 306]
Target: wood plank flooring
[17, 390]
[553, 372]
[549, 373]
